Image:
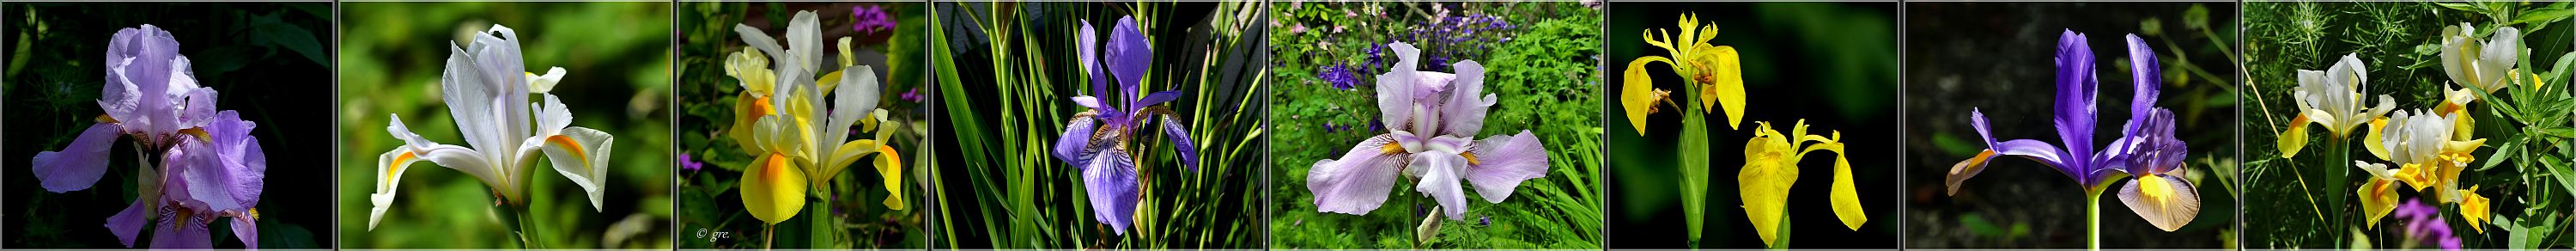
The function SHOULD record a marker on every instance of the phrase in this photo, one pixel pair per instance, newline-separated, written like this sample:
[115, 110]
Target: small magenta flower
[1434, 116]
[871, 18]
[2147, 147]
[209, 165]
[1096, 140]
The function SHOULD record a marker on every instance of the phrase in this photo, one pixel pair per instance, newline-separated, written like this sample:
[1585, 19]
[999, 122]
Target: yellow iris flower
[1771, 166]
[778, 118]
[1713, 71]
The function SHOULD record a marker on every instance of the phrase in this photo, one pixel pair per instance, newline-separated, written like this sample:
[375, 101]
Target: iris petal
[774, 189]
[2167, 202]
[1440, 182]
[1358, 182]
[1501, 164]
[1110, 182]
[2378, 198]
[79, 165]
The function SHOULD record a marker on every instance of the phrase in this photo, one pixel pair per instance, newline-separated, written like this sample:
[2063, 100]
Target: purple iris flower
[210, 166]
[1096, 140]
[2146, 148]
[870, 19]
[1435, 117]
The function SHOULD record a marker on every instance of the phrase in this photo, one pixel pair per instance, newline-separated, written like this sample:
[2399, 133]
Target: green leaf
[2542, 15]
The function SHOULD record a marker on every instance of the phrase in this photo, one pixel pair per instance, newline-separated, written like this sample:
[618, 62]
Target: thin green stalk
[526, 231]
[2093, 219]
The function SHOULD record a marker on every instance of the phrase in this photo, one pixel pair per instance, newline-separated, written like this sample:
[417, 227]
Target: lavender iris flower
[209, 165]
[1434, 116]
[1096, 140]
[2146, 148]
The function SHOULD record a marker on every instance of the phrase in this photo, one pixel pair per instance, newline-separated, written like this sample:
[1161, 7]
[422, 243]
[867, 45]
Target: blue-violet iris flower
[2146, 148]
[209, 165]
[1096, 140]
[1434, 117]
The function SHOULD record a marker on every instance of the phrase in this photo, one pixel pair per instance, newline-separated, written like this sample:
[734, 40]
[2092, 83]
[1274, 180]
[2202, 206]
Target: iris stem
[526, 231]
[2093, 219]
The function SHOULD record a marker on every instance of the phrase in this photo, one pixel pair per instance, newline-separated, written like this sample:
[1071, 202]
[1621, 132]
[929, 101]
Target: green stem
[2093, 219]
[526, 231]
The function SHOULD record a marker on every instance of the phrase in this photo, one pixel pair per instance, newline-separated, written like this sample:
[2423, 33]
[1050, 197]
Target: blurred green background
[267, 61]
[1006, 72]
[1831, 64]
[616, 56]
[1543, 64]
[709, 196]
[1998, 57]
[2308, 201]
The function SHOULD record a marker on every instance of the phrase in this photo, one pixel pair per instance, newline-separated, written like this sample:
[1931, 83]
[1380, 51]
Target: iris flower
[799, 146]
[1096, 140]
[1771, 165]
[487, 93]
[2421, 143]
[2332, 98]
[1434, 117]
[2147, 147]
[1712, 70]
[209, 165]
[2481, 65]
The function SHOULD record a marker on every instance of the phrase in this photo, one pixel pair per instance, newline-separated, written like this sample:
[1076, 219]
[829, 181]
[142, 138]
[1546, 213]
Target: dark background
[1998, 57]
[1831, 64]
[264, 60]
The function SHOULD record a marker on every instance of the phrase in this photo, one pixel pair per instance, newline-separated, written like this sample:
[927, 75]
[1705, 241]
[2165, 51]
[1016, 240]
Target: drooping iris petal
[1637, 96]
[1727, 86]
[242, 159]
[1110, 181]
[1359, 180]
[1770, 167]
[181, 229]
[773, 189]
[79, 165]
[392, 164]
[1440, 182]
[2377, 199]
[2167, 202]
[1846, 195]
[890, 169]
[2473, 208]
[1180, 138]
[1076, 138]
[581, 154]
[1501, 163]
[246, 229]
[126, 224]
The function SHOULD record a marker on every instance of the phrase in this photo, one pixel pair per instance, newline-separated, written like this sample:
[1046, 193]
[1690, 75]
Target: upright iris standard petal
[1462, 113]
[1128, 55]
[1395, 88]
[2075, 113]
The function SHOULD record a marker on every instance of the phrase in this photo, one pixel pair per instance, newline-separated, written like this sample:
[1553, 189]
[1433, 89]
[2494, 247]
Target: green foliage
[1546, 78]
[2523, 167]
[1005, 80]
